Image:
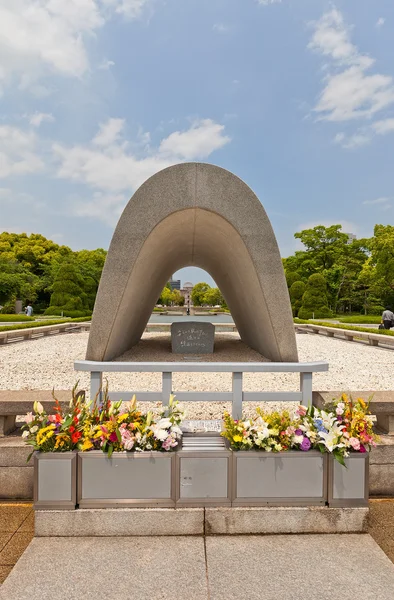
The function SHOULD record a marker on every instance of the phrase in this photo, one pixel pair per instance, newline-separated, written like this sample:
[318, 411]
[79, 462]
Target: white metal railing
[237, 396]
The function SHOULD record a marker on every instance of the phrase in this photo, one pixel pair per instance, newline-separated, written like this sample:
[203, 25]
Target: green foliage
[314, 299]
[361, 319]
[55, 311]
[346, 327]
[14, 318]
[213, 297]
[297, 291]
[292, 277]
[198, 293]
[29, 266]
[170, 297]
[341, 263]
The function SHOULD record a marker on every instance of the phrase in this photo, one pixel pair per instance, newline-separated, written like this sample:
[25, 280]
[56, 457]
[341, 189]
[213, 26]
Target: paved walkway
[311, 567]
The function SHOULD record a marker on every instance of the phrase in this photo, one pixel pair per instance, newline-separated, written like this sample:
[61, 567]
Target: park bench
[15, 403]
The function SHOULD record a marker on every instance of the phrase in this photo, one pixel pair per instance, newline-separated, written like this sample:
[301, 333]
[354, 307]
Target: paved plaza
[255, 567]
[217, 568]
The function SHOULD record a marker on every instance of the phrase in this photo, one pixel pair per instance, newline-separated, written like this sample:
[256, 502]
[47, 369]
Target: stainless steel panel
[203, 477]
[295, 476]
[54, 480]
[349, 482]
[125, 477]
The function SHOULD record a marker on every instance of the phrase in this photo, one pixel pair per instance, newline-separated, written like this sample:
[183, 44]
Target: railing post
[167, 388]
[237, 396]
[96, 382]
[306, 388]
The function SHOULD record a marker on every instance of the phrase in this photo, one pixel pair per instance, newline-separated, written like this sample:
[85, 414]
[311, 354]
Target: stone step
[121, 522]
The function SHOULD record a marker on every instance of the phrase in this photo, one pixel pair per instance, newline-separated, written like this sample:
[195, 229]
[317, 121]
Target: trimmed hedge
[73, 314]
[42, 324]
[347, 327]
[361, 319]
[15, 318]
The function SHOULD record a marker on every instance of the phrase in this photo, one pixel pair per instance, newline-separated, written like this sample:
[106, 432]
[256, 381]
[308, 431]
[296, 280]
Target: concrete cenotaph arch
[201, 215]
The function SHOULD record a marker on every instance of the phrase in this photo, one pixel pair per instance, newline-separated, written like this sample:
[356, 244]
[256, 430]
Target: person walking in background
[29, 310]
[388, 318]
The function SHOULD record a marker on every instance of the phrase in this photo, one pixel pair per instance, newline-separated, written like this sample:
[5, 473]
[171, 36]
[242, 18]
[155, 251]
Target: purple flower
[298, 432]
[305, 444]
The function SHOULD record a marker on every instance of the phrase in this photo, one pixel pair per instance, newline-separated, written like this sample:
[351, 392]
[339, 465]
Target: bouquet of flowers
[346, 427]
[121, 427]
[59, 432]
[105, 425]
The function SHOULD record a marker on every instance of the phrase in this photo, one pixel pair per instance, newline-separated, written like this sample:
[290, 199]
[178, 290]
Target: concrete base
[285, 567]
[197, 521]
[7, 424]
[16, 475]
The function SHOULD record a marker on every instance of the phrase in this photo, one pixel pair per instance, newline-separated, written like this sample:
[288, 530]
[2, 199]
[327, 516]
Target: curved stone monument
[202, 215]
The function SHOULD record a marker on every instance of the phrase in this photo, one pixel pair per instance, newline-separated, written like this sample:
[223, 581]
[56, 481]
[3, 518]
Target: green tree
[382, 259]
[314, 299]
[198, 293]
[297, 291]
[213, 297]
[67, 290]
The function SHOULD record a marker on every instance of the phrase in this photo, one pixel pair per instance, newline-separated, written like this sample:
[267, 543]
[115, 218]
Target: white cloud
[18, 152]
[43, 37]
[380, 22]
[109, 132]
[106, 65]
[131, 9]
[104, 207]
[107, 164]
[348, 93]
[384, 126]
[358, 139]
[221, 28]
[266, 2]
[38, 118]
[199, 141]
[378, 201]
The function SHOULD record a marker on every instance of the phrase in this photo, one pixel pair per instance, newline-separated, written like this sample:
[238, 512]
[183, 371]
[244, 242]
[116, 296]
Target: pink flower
[355, 444]
[113, 437]
[52, 418]
[362, 448]
[301, 411]
[29, 417]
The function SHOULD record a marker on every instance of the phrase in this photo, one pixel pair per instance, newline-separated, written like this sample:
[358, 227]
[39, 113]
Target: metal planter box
[127, 479]
[55, 480]
[203, 472]
[279, 479]
[348, 486]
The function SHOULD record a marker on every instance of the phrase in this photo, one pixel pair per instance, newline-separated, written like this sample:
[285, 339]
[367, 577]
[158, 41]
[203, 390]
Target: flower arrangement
[107, 426]
[347, 426]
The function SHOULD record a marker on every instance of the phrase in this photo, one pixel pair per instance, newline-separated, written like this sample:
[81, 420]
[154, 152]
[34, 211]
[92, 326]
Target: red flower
[75, 419]
[113, 437]
[75, 437]
[72, 429]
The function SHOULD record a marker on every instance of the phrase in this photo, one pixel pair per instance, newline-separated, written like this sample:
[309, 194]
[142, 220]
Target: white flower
[340, 408]
[160, 434]
[297, 439]
[331, 438]
[38, 407]
[25, 434]
[175, 429]
[164, 424]
[34, 429]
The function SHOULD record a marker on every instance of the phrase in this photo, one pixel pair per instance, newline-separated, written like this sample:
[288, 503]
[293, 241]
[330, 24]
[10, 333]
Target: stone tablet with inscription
[192, 337]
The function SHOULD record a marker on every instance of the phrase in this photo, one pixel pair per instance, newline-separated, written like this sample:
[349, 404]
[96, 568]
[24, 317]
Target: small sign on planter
[55, 480]
[203, 472]
[280, 479]
[348, 486]
[127, 479]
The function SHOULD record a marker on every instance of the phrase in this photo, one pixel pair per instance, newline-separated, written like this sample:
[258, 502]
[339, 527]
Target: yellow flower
[122, 418]
[237, 438]
[87, 444]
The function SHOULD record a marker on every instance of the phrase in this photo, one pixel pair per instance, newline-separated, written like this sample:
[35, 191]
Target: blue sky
[296, 97]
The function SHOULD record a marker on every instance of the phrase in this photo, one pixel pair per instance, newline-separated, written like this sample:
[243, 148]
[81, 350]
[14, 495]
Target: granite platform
[311, 567]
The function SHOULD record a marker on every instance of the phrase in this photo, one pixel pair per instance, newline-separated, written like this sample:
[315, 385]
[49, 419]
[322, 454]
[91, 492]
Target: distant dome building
[186, 292]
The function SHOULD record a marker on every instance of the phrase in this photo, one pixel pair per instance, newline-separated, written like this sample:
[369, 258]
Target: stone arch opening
[193, 215]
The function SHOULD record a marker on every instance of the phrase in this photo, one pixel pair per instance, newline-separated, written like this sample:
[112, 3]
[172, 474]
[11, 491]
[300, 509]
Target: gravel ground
[48, 362]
